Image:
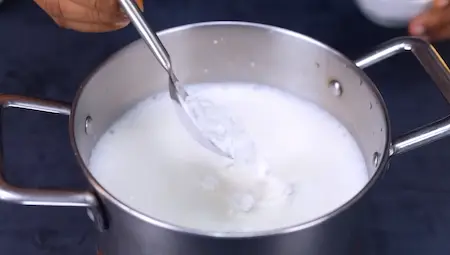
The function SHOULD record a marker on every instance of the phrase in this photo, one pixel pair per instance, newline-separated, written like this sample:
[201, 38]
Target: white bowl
[392, 13]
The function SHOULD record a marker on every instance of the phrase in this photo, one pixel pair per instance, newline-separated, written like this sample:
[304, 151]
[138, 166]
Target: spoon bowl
[177, 93]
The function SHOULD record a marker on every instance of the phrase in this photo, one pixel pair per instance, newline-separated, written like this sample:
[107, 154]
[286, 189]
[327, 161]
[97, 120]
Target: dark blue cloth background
[408, 210]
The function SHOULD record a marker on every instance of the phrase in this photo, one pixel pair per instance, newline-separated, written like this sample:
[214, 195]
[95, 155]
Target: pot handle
[35, 197]
[439, 72]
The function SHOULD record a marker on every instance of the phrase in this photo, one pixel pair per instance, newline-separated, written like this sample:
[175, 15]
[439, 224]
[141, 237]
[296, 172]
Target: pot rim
[277, 231]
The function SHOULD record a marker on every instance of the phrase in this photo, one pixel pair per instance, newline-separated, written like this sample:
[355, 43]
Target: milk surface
[148, 161]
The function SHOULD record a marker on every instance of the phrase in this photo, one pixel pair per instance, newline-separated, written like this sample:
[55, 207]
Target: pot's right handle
[439, 72]
[35, 197]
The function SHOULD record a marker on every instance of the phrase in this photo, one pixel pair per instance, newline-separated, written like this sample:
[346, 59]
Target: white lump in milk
[311, 163]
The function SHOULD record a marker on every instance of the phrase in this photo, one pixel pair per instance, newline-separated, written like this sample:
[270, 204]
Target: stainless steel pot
[232, 51]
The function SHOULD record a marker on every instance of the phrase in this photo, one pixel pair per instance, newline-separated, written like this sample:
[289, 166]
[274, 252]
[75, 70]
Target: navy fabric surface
[408, 209]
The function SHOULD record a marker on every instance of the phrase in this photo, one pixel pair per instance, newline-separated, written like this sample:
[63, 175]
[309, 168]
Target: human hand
[87, 15]
[433, 24]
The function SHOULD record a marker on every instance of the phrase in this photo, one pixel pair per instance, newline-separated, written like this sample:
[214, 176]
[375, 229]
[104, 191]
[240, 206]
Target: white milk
[148, 161]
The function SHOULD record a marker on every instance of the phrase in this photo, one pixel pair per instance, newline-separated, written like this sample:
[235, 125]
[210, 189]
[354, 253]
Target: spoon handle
[147, 34]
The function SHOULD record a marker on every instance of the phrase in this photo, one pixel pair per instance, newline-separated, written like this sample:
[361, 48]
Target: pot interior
[235, 52]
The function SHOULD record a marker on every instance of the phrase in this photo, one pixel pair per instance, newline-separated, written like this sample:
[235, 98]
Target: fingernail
[418, 30]
[123, 23]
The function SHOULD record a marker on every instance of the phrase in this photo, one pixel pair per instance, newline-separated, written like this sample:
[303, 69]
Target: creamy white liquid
[149, 161]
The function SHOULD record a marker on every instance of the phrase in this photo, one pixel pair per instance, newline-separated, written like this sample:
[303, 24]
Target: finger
[440, 3]
[51, 7]
[430, 20]
[439, 34]
[111, 6]
[75, 12]
[89, 26]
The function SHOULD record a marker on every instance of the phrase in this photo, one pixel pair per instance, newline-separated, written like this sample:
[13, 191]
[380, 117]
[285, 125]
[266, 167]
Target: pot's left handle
[35, 197]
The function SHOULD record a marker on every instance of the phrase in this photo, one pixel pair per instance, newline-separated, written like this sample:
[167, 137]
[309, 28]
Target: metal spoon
[176, 91]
